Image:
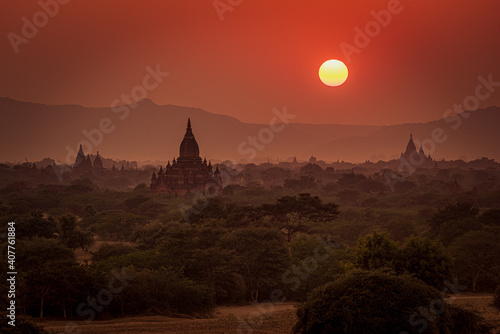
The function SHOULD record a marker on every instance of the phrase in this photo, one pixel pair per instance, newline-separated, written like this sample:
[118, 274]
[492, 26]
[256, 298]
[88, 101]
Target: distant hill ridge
[154, 132]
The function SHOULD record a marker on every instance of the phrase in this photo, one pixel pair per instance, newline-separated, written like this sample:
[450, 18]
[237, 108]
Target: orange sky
[264, 54]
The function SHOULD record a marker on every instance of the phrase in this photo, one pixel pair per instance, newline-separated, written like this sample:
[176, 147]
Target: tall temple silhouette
[416, 158]
[188, 173]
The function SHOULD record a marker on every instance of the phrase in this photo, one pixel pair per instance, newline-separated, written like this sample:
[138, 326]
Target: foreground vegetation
[171, 255]
[379, 302]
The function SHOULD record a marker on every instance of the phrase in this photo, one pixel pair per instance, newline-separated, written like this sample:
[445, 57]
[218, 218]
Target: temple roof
[80, 158]
[189, 147]
[411, 145]
[97, 161]
[80, 152]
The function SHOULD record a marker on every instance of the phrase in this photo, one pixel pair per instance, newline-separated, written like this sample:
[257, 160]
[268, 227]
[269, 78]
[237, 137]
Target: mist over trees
[255, 242]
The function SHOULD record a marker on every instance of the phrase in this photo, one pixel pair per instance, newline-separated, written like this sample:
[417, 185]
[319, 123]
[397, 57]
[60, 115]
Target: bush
[465, 321]
[377, 302]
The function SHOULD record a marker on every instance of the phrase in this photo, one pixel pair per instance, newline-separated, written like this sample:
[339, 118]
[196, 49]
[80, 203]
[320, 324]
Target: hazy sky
[263, 54]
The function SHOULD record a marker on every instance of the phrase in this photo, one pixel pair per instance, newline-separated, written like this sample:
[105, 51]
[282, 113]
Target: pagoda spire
[189, 147]
[80, 151]
[410, 148]
[189, 130]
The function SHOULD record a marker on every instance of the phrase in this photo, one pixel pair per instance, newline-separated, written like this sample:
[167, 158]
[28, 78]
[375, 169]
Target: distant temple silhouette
[83, 163]
[416, 158]
[188, 173]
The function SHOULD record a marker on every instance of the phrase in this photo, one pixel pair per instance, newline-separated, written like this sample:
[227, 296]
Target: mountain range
[149, 132]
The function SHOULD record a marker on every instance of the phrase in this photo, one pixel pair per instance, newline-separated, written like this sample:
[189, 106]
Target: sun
[333, 72]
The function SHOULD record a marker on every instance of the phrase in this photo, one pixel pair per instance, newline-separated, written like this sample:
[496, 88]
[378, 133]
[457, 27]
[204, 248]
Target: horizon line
[212, 113]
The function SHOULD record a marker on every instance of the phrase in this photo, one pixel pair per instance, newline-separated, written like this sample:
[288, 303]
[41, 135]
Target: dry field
[481, 303]
[258, 319]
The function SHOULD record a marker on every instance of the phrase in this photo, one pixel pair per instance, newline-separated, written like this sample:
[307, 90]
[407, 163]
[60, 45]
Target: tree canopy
[423, 258]
[291, 213]
[379, 303]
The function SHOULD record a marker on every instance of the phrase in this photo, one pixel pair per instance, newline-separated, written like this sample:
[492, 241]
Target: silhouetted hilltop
[148, 131]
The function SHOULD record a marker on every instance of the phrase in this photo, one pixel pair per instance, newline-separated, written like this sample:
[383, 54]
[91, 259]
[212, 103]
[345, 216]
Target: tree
[213, 208]
[317, 261]
[376, 251]
[216, 269]
[133, 202]
[90, 210]
[426, 259]
[36, 225]
[115, 224]
[454, 211]
[70, 235]
[490, 217]
[404, 186]
[377, 302]
[290, 214]
[311, 170]
[109, 250]
[350, 181]
[371, 185]
[305, 182]
[167, 290]
[348, 196]
[476, 254]
[423, 258]
[206, 252]
[453, 220]
[259, 258]
[49, 273]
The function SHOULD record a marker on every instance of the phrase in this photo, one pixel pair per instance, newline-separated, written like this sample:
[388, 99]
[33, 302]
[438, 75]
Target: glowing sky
[263, 54]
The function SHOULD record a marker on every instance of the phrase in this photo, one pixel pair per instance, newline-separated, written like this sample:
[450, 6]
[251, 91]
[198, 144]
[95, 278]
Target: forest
[85, 251]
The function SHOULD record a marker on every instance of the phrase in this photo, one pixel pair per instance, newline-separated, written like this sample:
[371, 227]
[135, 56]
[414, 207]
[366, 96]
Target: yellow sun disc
[333, 72]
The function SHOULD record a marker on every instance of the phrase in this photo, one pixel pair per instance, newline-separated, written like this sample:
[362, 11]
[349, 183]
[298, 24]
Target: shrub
[377, 302]
[460, 320]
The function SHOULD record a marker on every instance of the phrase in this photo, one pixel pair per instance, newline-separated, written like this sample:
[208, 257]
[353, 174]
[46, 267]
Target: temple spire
[189, 146]
[80, 151]
[189, 131]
